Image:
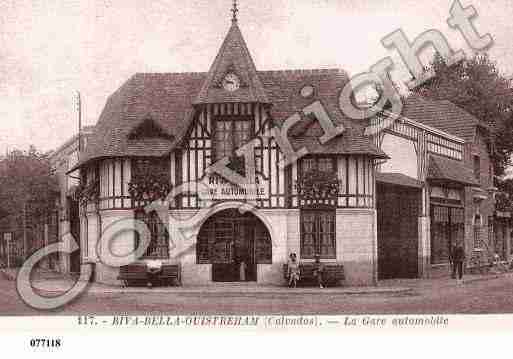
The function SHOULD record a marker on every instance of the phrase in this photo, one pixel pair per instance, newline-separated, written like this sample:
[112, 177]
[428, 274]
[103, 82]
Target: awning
[398, 179]
[447, 170]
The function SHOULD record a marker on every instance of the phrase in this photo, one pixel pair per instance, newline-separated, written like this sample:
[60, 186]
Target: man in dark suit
[457, 259]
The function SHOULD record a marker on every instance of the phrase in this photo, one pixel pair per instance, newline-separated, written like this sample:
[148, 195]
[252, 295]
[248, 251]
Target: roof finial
[234, 10]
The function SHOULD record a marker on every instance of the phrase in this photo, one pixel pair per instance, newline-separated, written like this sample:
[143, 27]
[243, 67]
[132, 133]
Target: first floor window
[318, 164]
[318, 233]
[231, 133]
[158, 247]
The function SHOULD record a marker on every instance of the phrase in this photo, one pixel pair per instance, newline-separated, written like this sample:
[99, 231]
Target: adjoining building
[62, 161]
[443, 155]
[384, 206]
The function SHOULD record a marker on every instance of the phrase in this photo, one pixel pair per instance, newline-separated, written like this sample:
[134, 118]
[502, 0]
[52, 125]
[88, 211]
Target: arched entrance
[234, 243]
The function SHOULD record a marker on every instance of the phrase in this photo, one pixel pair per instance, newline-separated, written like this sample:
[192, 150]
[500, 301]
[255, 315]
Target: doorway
[234, 244]
[397, 216]
[74, 222]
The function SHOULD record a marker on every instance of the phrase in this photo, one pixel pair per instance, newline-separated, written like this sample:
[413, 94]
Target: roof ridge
[311, 71]
[156, 74]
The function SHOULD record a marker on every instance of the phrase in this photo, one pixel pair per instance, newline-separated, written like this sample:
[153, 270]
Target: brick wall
[484, 207]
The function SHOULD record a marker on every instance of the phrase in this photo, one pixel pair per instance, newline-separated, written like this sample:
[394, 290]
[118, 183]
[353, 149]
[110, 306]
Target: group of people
[456, 258]
[294, 271]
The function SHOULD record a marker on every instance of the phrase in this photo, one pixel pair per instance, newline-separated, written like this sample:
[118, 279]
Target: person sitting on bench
[293, 268]
[318, 270]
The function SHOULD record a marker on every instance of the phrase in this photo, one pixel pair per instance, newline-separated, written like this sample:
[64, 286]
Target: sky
[49, 49]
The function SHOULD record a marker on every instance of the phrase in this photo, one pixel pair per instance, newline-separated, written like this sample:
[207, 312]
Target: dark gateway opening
[234, 243]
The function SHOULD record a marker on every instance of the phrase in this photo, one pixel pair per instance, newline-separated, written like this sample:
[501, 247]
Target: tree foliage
[26, 179]
[477, 86]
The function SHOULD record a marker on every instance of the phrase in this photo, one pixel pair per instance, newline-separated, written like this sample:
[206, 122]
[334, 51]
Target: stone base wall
[106, 275]
[357, 245]
[355, 242]
[270, 274]
[196, 274]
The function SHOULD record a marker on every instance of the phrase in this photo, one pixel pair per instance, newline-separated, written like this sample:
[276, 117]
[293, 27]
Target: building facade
[236, 165]
[449, 152]
[181, 131]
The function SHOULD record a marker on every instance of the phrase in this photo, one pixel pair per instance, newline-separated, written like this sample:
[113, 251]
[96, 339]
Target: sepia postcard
[317, 166]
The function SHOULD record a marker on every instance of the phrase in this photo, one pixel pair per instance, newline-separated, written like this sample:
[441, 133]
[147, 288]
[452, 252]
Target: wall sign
[216, 187]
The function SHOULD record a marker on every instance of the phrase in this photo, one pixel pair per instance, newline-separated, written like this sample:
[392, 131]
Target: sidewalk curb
[485, 278]
[250, 292]
[98, 288]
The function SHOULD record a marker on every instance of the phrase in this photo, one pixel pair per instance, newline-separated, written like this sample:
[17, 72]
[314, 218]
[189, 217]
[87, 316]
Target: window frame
[152, 220]
[317, 233]
[477, 228]
[232, 119]
[317, 159]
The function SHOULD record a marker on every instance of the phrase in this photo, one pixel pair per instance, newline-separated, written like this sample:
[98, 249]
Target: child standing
[293, 270]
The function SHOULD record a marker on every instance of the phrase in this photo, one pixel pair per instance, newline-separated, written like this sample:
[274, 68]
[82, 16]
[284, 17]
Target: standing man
[319, 270]
[452, 250]
[458, 257]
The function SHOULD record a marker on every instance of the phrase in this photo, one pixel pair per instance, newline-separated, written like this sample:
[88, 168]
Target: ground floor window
[447, 227]
[318, 234]
[511, 243]
[498, 236]
[478, 228]
[158, 247]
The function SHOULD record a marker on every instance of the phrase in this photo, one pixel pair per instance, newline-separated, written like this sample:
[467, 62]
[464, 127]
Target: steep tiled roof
[234, 57]
[444, 169]
[284, 89]
[441, 114]
[163, 98]
[167, 99]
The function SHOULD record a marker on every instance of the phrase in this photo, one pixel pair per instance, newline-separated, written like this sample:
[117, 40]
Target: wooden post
[79, 109]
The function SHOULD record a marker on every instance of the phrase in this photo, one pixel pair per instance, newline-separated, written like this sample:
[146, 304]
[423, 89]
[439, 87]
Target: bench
[137, 274]
[332, 275]
[171, 275]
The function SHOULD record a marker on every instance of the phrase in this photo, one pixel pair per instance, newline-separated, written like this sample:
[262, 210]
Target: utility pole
[7, 239]
[79, 110]
[25, 239]
[8, 244]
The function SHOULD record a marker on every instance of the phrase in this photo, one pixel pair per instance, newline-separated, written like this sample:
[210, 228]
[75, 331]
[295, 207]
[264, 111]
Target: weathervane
[234, 10]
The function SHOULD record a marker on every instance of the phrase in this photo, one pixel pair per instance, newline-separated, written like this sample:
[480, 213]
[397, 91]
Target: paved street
[490, 296]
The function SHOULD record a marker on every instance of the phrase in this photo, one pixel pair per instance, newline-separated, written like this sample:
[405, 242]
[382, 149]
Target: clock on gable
[231, 82]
